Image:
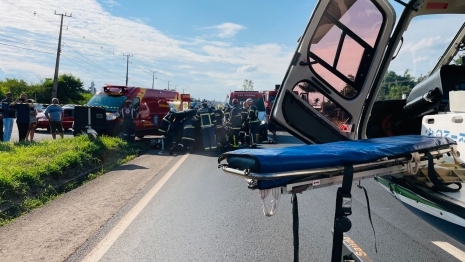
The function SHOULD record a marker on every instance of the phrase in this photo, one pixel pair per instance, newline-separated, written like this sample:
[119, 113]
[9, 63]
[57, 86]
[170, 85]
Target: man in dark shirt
[23, 112]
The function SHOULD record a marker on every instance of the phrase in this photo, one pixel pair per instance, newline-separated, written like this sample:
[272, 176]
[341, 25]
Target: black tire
[118, 131]
[66, 129]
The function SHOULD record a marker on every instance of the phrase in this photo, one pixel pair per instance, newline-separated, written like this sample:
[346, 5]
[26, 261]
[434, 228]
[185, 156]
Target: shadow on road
[130, 167]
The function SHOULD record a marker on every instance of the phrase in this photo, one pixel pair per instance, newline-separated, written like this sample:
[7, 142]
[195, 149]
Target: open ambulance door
[330, 76]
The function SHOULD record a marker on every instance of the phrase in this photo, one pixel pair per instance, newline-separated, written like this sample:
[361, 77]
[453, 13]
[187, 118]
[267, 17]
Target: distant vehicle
[39, 107]
[67, 122]
[151, 106]
[257, 98]
[268, 99]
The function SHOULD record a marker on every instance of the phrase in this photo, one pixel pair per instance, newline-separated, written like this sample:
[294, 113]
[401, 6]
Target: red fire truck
[151, 106]
[268, 98]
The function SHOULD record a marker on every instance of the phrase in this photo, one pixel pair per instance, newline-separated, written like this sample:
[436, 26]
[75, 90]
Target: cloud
[226, 30]
[111, 3]
[247, 68]
[93, 51]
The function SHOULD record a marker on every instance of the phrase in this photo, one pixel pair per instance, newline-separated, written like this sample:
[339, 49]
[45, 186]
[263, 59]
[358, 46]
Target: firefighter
[235, 123]
[188, 136]
[252, 121]
[128, 114]
[165, 126]
[226, 112]
[220, 131]
[244, 125]
[206, 117]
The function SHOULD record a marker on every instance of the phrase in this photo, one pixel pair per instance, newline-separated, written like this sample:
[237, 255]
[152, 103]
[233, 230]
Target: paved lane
[202, 214]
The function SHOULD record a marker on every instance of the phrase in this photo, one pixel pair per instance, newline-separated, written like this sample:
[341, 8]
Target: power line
[27, 48]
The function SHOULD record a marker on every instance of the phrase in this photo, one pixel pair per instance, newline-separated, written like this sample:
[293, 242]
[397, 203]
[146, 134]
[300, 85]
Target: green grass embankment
[31, 174]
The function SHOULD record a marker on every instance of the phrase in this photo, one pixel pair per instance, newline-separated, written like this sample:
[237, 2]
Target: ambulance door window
[321, 103]
[136, 104]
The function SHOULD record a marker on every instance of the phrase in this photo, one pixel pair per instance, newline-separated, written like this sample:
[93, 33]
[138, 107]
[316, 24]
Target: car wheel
[118, 131]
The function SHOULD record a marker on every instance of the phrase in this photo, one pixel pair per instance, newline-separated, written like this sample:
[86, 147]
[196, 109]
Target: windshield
[258, 102]
[111, 103]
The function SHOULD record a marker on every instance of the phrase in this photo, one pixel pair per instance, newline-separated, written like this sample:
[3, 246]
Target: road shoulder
[55, 231]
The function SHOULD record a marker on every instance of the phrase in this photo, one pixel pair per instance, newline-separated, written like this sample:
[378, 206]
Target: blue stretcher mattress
[276, 160]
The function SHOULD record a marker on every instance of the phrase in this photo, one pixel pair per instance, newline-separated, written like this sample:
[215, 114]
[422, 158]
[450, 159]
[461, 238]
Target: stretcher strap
[369, 212]
[295, 225]
[437, 184]
[343, 209]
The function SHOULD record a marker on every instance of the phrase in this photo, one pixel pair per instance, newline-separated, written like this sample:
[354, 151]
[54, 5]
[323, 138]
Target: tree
[70, 89]
[247, 85]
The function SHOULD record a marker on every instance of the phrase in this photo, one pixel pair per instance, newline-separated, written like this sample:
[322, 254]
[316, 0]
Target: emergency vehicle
[412, 146]
[268, 98]
[151, 106]
[257, 98]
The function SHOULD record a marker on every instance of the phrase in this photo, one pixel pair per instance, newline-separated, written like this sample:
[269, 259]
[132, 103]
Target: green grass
[33, 174]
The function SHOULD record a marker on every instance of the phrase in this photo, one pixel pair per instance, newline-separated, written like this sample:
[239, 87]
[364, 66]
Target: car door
[330, 76]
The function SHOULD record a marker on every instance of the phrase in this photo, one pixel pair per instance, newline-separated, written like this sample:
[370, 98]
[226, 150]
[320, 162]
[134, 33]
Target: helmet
[235, 101]
[204, 101]
[220, 106]
[173, 110]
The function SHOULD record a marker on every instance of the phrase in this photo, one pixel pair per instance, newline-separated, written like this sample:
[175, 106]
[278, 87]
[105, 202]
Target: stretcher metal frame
[343, 249]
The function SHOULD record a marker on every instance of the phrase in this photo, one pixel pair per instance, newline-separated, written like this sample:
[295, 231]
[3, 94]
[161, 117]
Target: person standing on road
[129, 129]
[32, 123]
[8, 116]
[23, 112]
[234, 124]
[207, 125]
[1, 124]
[54, 114]
[252, 121]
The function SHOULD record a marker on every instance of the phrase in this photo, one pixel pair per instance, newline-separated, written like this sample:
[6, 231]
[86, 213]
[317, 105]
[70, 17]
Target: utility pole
[57, 63]
[127, 67]
[153, 79]
[168, 85]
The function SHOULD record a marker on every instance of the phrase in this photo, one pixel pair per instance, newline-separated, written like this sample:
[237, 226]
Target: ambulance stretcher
[292, 170]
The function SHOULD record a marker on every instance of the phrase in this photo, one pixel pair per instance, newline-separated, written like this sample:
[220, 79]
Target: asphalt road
[40, 134]
[199, 213]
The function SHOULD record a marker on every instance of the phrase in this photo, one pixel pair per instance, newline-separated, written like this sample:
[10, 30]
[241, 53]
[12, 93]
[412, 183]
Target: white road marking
[457, 253]
[97, 253]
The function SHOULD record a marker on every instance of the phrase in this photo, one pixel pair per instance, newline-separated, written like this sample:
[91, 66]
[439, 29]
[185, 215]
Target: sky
[205, 48]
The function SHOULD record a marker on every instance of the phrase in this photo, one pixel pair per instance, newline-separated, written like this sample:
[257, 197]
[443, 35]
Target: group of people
[230, 126]
[23, 110]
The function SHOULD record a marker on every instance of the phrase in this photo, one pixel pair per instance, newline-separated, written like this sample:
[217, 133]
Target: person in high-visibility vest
[244, 132]
[129, 129]
[227, 112]
[165, 126]
[253, 122]
[188, 136]
[235, 123]
[220, 131]
[207, 125]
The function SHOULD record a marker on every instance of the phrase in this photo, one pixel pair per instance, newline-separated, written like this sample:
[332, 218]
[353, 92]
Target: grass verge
[33, 174]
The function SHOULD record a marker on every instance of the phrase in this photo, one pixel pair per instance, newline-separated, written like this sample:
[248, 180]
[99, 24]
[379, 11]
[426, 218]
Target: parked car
[68, 119]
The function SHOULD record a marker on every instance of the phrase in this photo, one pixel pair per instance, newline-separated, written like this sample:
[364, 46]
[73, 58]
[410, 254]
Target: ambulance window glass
[321, 103]
[136, 103]
[345, 36]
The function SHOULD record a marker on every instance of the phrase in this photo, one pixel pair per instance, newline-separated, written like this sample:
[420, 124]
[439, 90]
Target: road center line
[102, 247]
[457, 253]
